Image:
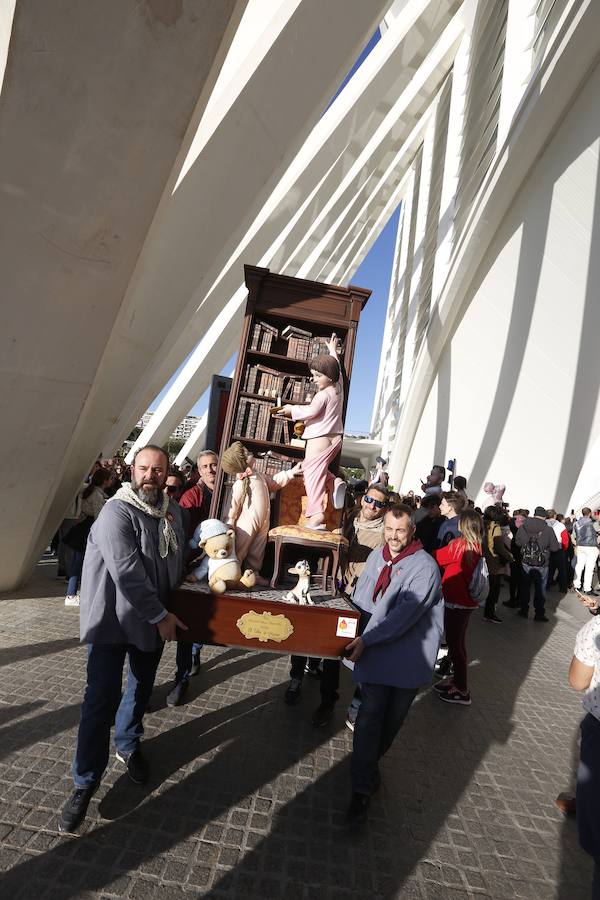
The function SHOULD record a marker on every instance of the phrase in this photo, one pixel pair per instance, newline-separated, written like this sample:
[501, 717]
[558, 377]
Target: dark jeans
[330, 681]
[516, 574]
[539, 576]
[184, 658]
[456, 622]
[64, 553]
[492, 597]
[382, 711]
[74, 572]
[558, 563]
[104, 705]
[588, 787]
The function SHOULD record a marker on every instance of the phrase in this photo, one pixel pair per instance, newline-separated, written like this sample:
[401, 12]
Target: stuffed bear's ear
[230, 532]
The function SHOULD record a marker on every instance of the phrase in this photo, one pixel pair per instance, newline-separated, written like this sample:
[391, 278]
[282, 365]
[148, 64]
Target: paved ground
[247, 799]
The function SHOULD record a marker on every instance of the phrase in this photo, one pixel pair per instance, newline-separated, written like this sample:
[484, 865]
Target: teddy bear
[219, 564]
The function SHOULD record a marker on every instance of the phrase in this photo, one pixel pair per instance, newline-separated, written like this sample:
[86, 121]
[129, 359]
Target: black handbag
[76, 537]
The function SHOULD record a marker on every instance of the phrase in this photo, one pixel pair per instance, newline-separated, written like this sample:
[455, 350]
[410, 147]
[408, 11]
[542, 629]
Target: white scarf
[167, 539]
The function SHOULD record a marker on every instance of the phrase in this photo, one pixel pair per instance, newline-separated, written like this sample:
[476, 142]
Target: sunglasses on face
[378, 504]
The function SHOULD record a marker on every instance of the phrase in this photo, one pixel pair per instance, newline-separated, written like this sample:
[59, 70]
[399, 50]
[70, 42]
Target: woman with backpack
[497, 556]
[459, 561]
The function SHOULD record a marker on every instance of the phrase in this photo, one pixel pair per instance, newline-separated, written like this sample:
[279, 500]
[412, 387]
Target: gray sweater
[125, 584]
[403, 629]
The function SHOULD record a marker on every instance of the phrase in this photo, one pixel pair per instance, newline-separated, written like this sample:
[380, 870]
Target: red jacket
[457, 565]
[197, 499]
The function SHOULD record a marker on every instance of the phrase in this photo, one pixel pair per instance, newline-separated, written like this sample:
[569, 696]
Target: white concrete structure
[107, 249]
[148, 150]
[490, 352]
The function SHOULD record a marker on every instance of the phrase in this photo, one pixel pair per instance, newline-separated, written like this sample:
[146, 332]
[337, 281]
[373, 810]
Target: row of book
[262, 337]
[302, 344]
[253, 420]
[271, 463]
[270, 383]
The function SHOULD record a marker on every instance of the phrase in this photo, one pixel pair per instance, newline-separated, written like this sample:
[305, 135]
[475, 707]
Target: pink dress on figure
[323, 417]
[250, 516]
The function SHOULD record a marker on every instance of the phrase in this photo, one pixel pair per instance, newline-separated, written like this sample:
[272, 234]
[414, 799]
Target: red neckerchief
[385, 576]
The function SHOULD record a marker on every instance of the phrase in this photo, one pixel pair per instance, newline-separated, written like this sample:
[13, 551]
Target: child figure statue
[323, 434]
[250, 510]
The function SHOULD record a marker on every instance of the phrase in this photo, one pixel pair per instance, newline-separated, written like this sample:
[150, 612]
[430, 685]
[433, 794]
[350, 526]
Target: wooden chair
[291, 529]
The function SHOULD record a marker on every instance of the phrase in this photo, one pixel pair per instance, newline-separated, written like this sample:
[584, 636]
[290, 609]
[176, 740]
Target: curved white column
[401, 58]
[529, 243]
[91, 127]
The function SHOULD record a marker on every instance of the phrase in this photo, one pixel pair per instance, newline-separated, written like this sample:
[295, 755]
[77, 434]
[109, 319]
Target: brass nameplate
[265, 626]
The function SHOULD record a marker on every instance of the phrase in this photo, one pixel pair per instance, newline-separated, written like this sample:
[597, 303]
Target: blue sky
[374, 273]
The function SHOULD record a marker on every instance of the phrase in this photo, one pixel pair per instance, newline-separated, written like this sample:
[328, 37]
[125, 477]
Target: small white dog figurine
[300, 593]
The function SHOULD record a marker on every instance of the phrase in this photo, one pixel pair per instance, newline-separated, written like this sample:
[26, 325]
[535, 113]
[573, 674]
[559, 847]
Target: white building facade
[493, 318]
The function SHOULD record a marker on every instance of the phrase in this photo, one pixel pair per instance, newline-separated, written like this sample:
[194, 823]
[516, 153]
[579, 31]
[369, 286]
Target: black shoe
[292, 694]
[177, 693]
[196, 664]
[74, 810]
[314, 671]
[358, 810]
[541, 618]
[493, 619]
[443, 668]
[323, 714]
[591, 593]
[137, 768]
[523, 613]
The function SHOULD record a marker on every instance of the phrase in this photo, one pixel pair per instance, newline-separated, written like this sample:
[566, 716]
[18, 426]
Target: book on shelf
[270, 463]
[299, 347]
[263, 335]
[266, 382]
[293, 331]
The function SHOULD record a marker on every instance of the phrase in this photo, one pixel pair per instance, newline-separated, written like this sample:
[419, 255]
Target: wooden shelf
[281, 300]
[284, 449]
[273, 400]
[249, 396]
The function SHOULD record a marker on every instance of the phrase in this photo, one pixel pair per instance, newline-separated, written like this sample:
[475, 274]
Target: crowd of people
[417, 566]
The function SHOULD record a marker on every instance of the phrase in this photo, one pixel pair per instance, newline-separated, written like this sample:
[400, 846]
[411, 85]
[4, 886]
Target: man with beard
[400, 600]
[133, 560]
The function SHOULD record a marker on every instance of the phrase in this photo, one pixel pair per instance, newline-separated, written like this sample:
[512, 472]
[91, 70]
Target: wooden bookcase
[276, 302]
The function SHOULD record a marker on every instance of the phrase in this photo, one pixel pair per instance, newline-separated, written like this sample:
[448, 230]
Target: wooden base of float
[261, 620]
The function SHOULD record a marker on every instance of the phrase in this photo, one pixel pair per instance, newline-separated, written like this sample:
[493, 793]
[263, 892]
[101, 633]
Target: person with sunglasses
[175, 486]
[364, 530]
